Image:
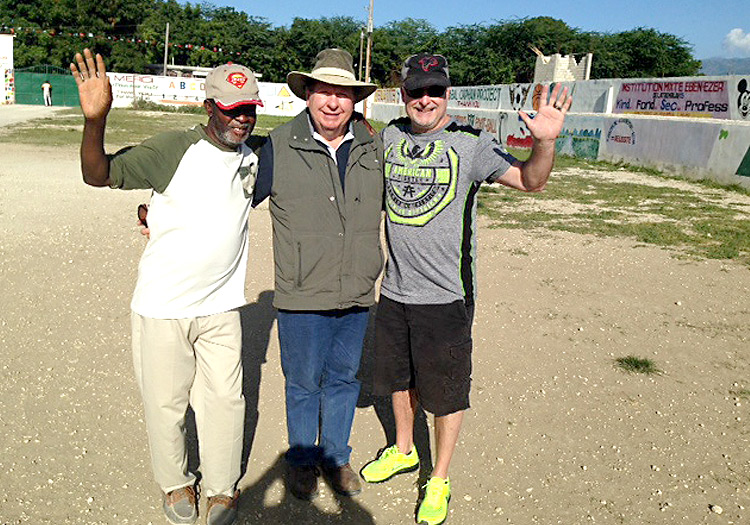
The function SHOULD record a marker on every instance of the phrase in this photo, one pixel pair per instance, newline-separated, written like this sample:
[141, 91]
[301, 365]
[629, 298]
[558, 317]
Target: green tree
[473, 58]
[185, 31]
[306, 38]
[110, 17]
[131, 34]
[281, 61]
[234, 36]
[649, 53]
[393, 43]
[510, 41]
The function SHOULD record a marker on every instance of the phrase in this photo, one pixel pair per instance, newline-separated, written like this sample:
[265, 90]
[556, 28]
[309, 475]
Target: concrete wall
[7, 81]
[698, 127]
[385, 105]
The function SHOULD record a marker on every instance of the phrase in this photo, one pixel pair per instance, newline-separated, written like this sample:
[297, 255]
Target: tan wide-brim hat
[332, 66]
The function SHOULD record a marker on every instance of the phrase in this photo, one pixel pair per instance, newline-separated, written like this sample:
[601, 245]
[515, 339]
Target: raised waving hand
[94, 89]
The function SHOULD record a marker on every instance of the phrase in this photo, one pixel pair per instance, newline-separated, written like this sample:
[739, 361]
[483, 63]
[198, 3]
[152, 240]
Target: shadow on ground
[258, 506]
[259, 502]
[384, 410]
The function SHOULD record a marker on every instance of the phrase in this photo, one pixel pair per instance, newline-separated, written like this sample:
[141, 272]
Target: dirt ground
[556, 433]
[11, 114]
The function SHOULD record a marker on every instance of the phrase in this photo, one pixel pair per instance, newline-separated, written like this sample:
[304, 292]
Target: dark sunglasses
[431, 91]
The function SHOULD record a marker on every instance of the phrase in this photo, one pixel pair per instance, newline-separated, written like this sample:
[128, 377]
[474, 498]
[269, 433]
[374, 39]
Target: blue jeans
[320, 353]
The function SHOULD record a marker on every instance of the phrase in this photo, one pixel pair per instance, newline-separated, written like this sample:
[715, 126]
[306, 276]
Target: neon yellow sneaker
[389, 463]
[434, 507]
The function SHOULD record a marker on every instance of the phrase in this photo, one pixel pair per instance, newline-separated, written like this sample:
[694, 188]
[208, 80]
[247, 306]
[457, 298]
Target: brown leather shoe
[343, 480]
[302, 482]
[181, 506]
[222, 509]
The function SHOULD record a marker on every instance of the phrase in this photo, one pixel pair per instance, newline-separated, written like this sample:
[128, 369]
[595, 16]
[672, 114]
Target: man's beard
[228, 137]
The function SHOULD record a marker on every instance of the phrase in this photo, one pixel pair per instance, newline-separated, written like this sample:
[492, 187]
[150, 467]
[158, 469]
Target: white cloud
[737, 41]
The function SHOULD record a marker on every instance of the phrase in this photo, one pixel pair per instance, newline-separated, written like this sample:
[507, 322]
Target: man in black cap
[433, 169]
[323, 173]
[191, 279]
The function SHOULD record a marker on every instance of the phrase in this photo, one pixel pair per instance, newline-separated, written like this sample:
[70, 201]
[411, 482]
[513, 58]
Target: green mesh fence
[29, 86]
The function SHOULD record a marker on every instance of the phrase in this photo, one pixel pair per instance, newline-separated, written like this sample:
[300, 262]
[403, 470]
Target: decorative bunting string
[132, 40]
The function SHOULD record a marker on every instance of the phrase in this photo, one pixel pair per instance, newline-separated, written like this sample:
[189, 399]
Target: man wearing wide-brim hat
[323, 172]
[334, 67]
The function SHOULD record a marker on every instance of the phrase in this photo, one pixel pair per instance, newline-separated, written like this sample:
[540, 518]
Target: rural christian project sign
[675, 98]
[475, 97]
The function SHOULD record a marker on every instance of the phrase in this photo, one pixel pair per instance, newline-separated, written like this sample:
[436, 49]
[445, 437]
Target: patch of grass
[660, 233]
[691, 223]
[526, 219]
[125, 126]
[637, 365]
[266, 123]
[743, 393]
[377, 125]
[709, 183]
[146, 105]
[699, 223]
[565, 161]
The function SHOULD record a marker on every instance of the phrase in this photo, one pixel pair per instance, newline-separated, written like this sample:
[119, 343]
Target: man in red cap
[185, 324]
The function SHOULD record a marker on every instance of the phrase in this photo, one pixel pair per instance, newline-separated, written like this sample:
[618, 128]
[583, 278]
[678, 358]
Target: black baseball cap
[424, 70]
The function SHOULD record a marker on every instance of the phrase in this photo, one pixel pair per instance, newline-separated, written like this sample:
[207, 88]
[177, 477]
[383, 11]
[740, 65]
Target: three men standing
[324, 174]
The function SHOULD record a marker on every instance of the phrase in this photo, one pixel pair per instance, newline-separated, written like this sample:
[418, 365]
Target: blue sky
[715, 28]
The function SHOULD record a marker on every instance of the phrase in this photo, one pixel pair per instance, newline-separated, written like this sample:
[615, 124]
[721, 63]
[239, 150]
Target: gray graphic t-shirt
[431, 182]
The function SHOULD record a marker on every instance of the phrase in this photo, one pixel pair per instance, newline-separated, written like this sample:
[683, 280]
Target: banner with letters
[675, 98]
[190, 91]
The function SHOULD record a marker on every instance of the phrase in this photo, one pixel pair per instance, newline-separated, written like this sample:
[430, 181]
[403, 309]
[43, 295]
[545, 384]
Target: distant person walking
[47, 92]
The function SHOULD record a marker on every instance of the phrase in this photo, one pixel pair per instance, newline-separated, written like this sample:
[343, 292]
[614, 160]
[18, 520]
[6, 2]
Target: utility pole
[166, 50]
[369, 41]
[369, 49]
[361, 43]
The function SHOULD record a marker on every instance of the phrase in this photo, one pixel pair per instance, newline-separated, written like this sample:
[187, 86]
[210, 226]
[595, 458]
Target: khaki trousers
[196, 361]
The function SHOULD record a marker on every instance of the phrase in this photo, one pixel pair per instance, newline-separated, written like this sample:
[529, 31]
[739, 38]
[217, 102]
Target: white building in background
[7, 78]
[558, 68]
